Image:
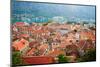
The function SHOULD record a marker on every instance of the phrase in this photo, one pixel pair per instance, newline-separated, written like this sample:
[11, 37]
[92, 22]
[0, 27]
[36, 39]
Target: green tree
[62, 59]
[90, 55]
[16, 58]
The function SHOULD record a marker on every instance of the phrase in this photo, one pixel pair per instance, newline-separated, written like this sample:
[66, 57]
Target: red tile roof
[43, 46]
[87, 35]
[25, 35]
[38, 60]
[85, 44]
[40, 31]
[72, 50]
[30, 52]
[55, 53]
[19, 45]
[33, 44]
[19, 23]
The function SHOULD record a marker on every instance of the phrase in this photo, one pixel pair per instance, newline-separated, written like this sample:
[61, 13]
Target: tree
[62, 59]
[90, 55]
[16, 58]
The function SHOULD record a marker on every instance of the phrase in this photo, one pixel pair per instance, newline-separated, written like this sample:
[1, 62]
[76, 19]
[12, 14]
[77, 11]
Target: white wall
[5, 33]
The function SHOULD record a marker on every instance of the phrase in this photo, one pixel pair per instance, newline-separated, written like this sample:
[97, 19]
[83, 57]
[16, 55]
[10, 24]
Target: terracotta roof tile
[55, 53]
[30, 52]
[38, 60]
[19, 45]
[19, 23]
